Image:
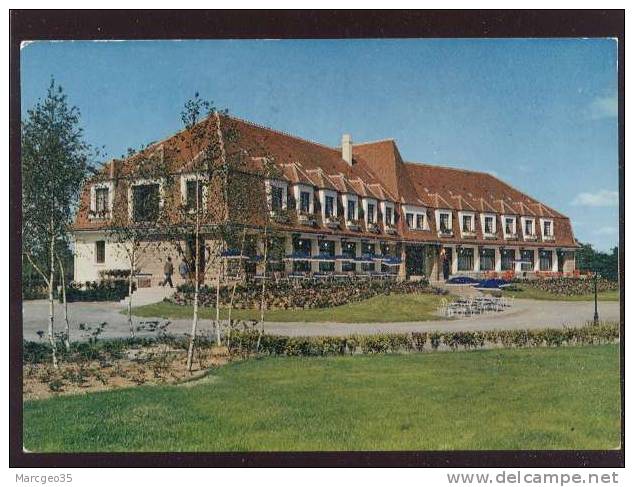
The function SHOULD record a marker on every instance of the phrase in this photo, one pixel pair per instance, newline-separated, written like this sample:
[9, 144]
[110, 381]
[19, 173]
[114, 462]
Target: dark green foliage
[246, 341]
[303, 294]
[569, 286]
[106, 290]
[606, 264]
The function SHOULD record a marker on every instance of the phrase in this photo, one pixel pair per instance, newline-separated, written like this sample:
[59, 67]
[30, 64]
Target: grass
[562, 398]
[528, 292]
[379, 309]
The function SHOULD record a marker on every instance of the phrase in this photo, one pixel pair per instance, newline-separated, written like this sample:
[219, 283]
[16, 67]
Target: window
[528, 260]
[100, 251]
[102, 200]
[487, 259]
[508, 260]
[145, 202]
[301, 248]
[370, 213]
[327, 248]
[488, 225]
[420, 221]
[352, 210]
[509, 226]
[409, 217]
[467, 223]
[368, 250]
[444, 222]
[548, 229]
[304, 202]
[276, 198]
[349, 250]
[546, 260]
[330, 203]
[465, 260]
[194, 187]
[388, 215]
[528, 227]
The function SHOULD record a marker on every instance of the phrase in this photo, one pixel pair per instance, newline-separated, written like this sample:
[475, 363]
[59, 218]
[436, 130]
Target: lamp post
[596, 312]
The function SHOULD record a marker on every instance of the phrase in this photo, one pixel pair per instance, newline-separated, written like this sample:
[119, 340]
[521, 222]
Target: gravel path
[525, 313]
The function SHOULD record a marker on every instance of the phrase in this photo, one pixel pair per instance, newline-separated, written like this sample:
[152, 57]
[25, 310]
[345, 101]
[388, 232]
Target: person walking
[168, 270]
[183, 270]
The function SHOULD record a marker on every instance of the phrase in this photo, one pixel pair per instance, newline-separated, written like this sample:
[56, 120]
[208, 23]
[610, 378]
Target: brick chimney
[346, 148]
[114, 169]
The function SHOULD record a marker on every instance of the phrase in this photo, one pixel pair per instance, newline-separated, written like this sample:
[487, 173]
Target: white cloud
[604, 107]
[603, 197]
[606, 231]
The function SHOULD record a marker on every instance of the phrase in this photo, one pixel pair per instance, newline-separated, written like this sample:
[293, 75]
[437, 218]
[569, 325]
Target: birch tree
[55, 162]
[134, 236]
[204, 222]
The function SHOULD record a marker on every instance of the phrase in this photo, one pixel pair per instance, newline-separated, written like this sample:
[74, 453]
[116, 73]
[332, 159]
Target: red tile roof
[378, 171]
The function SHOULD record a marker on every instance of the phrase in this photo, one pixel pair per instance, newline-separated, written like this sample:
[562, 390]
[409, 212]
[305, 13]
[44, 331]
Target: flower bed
[569, 286]
[302, 295]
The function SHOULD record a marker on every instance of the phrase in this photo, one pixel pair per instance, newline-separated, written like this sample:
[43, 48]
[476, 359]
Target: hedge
[301, 295]
[106, 290]
[570, 286]
[245, 342]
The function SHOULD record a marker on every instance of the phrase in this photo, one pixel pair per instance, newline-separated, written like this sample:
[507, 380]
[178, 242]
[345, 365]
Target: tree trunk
[51, 304]
[218, 334]
[235, 284]
[66, 320]
[266, 248]
[192, 338]
[130, 291]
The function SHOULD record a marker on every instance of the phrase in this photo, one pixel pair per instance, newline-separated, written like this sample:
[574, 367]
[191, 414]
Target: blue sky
[540, 114]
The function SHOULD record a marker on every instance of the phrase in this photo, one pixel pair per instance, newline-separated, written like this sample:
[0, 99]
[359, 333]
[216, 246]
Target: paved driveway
[525, 313]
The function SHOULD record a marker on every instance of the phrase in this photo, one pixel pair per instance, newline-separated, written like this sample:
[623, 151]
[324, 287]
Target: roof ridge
[416, 163]
[389, 139]
[281, 132]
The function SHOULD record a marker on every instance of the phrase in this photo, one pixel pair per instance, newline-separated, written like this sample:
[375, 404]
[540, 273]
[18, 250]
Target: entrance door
[447, 262]
[415, 260]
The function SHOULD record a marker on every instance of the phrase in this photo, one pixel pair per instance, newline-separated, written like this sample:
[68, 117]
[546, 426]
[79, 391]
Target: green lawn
[527, 292]
[564, 398]
[379, 309]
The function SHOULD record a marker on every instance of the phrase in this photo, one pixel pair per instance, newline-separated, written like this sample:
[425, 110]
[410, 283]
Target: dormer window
[146, 202]
[467, 223]
[329, 206]
[420, 221]
[370, 215]
[547, 229]
[388, 215]
[276, 192]
[445, 222]
[528, 227]
[304, 202]
[509, 226]
[277, 198]
[409, 218]
[101, 200]
[102, 197]
[193, 192]
[488, 222]
[351, 210]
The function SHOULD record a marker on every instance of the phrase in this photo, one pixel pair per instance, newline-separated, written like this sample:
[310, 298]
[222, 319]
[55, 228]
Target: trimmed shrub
[301, 295]
[106, 290]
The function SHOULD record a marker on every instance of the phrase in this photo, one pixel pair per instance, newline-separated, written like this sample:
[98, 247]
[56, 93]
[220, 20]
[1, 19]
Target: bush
[301, 295]
[570, 286]
[105, 290]
[34, 291]
[114, 273]
[246, 341]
